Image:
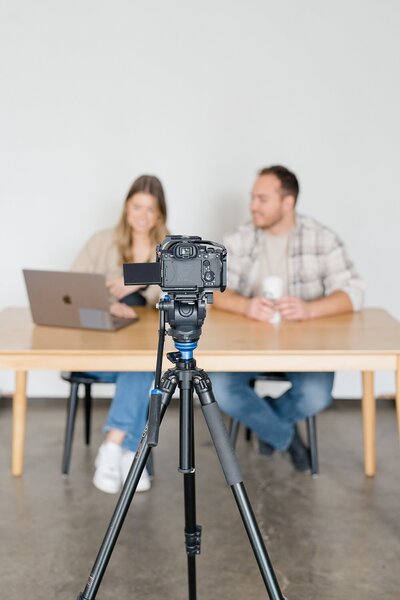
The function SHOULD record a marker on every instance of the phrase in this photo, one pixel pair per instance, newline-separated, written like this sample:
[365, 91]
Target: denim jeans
[272, 419]
[128, 410]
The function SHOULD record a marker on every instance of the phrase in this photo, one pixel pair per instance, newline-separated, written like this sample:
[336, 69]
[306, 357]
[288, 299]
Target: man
[318, 280]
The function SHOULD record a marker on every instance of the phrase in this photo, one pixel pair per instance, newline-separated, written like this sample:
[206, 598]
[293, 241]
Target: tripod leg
[187, 467]
[192, 531]
[125, 500]
[234, 478]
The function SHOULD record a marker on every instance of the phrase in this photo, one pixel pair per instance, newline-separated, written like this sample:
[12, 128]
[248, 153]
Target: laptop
[68, 299]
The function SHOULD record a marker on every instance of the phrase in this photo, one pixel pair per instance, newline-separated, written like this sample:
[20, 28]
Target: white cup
[272, 287]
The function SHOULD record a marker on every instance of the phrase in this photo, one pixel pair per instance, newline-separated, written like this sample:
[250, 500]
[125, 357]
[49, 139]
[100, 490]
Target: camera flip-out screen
[142, 273]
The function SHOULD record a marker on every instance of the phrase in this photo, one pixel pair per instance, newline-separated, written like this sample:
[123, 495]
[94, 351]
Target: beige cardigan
[100, 255]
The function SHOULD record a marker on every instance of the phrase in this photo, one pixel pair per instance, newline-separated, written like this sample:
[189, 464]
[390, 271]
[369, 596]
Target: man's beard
[272, 223]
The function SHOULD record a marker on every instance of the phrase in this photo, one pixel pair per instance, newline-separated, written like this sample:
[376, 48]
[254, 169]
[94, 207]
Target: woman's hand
[122, 311]
[118, 289]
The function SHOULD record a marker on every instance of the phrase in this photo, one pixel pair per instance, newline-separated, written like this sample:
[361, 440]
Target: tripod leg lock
[193, 541]
[186, 471]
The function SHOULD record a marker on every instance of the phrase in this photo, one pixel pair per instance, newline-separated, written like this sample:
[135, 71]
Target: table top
[371, 336]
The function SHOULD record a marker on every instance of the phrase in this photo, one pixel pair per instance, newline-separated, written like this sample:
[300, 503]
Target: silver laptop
[67, 299]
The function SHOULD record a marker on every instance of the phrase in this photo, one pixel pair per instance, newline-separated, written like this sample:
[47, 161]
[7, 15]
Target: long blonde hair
[148, 184]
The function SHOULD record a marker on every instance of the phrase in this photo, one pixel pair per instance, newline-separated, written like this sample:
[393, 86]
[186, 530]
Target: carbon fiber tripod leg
[168, 386]
[233, 476]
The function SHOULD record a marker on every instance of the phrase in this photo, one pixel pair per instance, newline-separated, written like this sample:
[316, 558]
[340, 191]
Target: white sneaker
[126, 462]
[107, 477]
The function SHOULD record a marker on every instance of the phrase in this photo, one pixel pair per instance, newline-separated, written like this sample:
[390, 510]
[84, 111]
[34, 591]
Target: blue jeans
[128, 410]
[273, 420]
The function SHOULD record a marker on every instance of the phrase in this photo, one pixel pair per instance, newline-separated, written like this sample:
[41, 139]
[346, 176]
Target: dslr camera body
[188, 269]
[185, 265]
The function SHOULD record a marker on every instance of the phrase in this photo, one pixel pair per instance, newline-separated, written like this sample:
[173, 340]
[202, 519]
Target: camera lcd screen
[182, 275]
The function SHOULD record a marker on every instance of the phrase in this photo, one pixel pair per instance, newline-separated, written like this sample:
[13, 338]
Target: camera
[185, 264]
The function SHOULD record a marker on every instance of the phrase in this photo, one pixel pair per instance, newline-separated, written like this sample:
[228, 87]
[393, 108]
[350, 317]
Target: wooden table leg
[398, 394]
[19, 417]
[369, 421]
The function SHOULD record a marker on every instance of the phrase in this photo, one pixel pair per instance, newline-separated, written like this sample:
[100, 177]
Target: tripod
[185, 316]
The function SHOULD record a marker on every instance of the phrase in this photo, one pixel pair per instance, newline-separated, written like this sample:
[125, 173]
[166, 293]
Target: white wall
[203, 94]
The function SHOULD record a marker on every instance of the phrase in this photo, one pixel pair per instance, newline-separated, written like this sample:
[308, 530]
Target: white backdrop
[202, 94]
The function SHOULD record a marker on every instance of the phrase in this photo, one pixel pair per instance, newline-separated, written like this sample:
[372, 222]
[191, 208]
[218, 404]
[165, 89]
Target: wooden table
[365, 341]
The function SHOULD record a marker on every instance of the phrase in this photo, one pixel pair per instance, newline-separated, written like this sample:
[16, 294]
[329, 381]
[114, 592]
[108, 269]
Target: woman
[141, 227]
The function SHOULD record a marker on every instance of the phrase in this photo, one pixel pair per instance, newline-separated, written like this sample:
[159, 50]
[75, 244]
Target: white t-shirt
[274, 261]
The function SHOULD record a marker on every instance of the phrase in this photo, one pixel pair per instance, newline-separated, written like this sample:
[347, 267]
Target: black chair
[311, 423]
[76, 379]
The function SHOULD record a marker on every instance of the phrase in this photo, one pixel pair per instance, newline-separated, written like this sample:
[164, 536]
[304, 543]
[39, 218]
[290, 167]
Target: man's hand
[260, 309]
[293, 308]
[122, 311]
[118, 289]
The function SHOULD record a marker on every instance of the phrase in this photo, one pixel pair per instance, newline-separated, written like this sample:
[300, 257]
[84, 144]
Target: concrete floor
[334, 538]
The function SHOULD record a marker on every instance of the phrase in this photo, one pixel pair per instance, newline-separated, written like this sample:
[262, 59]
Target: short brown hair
[289, 182]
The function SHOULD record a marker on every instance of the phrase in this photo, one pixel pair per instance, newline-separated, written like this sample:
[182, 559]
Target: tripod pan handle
[154, 418]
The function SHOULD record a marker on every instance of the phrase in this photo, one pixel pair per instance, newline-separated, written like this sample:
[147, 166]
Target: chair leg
[88, 413]
[69, 430]
[233, 431]
[312, 443]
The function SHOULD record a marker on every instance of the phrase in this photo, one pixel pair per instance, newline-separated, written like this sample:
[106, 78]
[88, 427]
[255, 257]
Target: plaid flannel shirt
[318, 264]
